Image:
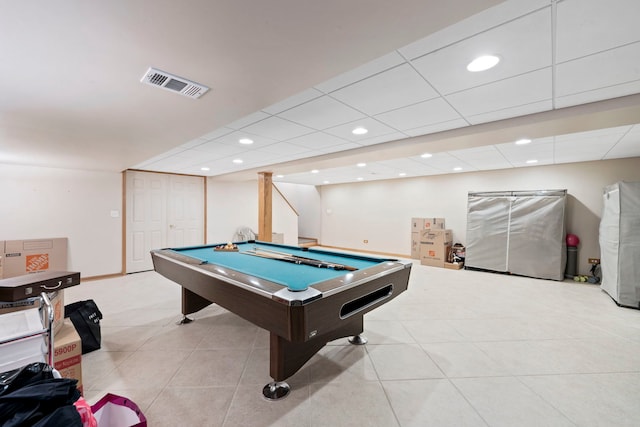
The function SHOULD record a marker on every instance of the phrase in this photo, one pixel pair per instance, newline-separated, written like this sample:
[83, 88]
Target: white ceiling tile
[286, 149]
[381, 138]
[277, 128]
[418, 115]
[482, 158]
[604, 25]
[438, 127]
[598, 94]
[603, 70]
[176, 161]
[293, 101]
[445, 162]
[374, 127]
[523, 45]
[473, 25]
[581, 156]
[539, 149]
[317, 140]
[395, 88]
[407, 165]
[337, 148]
[539, 161]
[509, 93]
[215, 148]
[582, 149]
[362, 72]
[234, 139]
[256, 157]
[586, 146]
[628, 146]
[605, 136]
[247, 120]
[521, 110]
[217, 133]
[321, 113]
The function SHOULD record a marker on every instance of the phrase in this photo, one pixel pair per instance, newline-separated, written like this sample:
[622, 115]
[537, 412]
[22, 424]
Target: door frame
[124, 210]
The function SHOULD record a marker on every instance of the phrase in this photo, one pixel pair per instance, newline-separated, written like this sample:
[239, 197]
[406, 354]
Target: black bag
[86, 316]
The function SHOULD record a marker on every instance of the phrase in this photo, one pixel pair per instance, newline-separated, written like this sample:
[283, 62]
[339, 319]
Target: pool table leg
[287, 357]
[358, 340]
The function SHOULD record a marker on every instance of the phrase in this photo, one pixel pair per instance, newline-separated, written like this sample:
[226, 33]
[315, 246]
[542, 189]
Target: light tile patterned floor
[460, 348]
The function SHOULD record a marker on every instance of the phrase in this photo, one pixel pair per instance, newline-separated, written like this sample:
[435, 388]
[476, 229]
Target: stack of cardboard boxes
[21, 257]
[430, 241]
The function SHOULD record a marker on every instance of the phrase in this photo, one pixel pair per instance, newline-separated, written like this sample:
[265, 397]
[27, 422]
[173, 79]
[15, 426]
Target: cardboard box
[454, 266]
[419, 224]
[415, 245]
[440, 237]
[67, 354]
[21, 257]
[433, 255]
[57, 303]
[433, 224]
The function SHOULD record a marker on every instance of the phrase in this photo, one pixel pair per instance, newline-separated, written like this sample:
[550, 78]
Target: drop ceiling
[297, 80]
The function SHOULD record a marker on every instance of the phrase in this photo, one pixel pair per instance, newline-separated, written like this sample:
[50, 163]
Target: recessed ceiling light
[523, 141]
[315, 171]
[205, 169]
[326, 182]
[245, 141]
[483, 63]
[360, 178]
[237, 161]
[361, 165]
[457, 168]
[359, 131]
[279, 176]
[426, 155]
[532, 161]
[402, 174]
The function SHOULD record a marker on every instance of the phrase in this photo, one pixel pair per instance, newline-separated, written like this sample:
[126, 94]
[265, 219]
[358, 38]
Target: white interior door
[162, 211]
[185, 211]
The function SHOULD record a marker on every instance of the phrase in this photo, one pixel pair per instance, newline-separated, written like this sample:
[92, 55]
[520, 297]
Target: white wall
[306, 201]
[42, 202]
[46, 202]
[233, 205]
[380, 211]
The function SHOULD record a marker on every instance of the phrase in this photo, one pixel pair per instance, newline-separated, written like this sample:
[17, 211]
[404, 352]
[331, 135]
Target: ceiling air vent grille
[155, 77]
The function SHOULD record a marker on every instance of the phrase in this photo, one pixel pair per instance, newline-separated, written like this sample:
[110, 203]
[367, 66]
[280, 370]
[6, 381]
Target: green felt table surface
[294, 276]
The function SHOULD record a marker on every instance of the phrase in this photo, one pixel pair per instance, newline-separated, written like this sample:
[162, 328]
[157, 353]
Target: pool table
[312, 297]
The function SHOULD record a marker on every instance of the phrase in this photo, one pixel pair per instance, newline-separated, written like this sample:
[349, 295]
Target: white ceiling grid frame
[277, 128]
[627, 146]
[319, 120]
[540, 149]
[420, 115]
[374, 127]
[524, 89]
[605, 66]
[574, 16]
[587, 146]
[482, 158]
[391, 89]
[521, 43]
[599, 76]
[319, 140]
[321, 113]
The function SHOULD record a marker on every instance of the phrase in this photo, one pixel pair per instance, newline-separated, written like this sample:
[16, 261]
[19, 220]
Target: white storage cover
[520, 232]
[620, 243]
